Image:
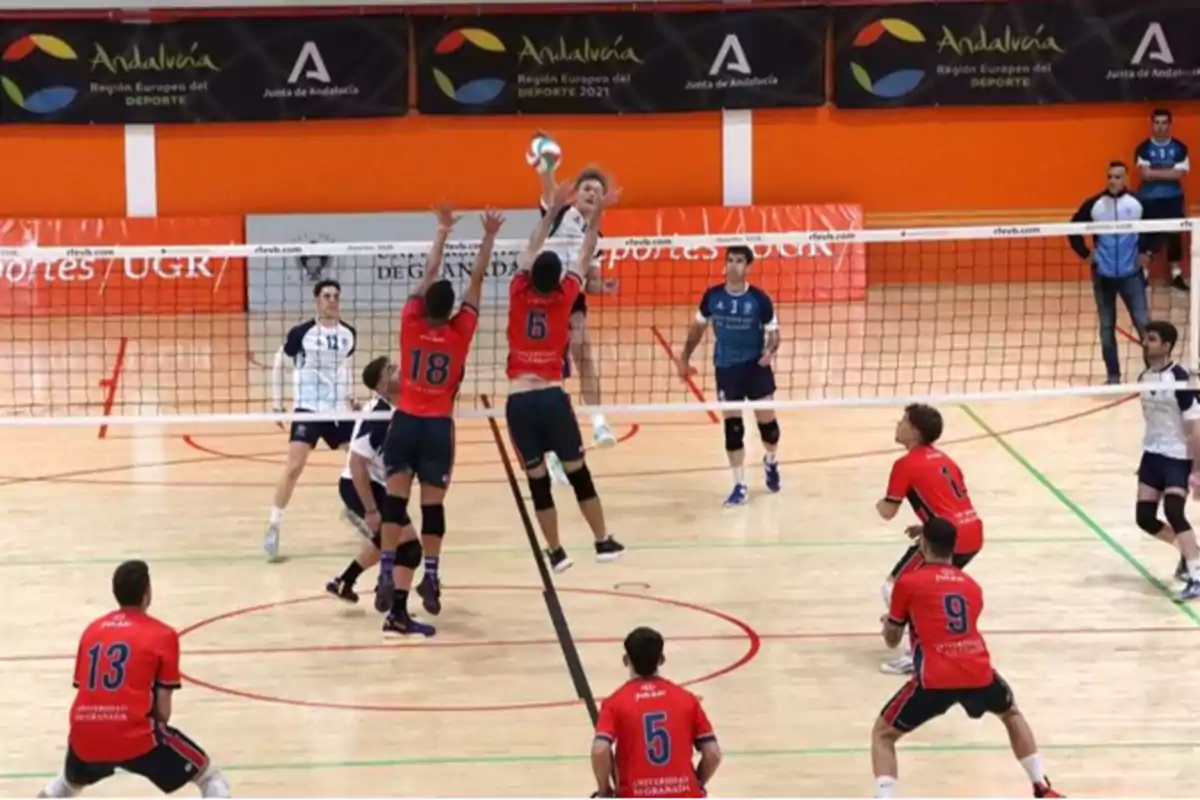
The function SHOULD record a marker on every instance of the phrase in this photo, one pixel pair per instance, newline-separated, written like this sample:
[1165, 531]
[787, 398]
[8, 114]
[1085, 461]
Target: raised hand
[446, 218]
[564, 195]
[491, 220]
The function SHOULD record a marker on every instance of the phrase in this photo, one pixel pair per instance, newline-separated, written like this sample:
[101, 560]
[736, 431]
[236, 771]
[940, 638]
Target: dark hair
[439, 300]
[324, 284]
[130, 582]
[644, 646]
[1161, 112]
[1118, 163]
[547, 272]
[372, 373]
[740, 250]
[591, 174]
[941, 535]
[927, 421]
[1165, 330]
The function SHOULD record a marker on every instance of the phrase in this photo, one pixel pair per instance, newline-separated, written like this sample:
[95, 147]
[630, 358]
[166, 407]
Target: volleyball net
[866, 317]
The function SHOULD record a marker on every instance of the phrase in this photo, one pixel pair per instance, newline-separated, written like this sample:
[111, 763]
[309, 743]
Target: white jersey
[569, 224]
[367, 441]
[322, 365]
[1166, 410]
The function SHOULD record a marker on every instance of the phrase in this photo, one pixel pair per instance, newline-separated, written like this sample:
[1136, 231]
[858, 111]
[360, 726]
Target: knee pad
[395, 511]
[1173, 505]
[1147, 517]
[433, 520]
[408, 554]
[539, 490]
[735, 434]
[769, 431]
[581, 482]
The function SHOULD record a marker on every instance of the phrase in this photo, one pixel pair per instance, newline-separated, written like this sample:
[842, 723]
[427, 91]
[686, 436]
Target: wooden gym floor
[770, 611]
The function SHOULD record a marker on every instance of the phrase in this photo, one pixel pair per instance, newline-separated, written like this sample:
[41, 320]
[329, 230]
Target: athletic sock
[885, 785]
[739, 476]
[1193, 568]
[387, 562]
[276, 515]
[431, 567]
[598, 420]
[1033, 768]
[769, 457]
[352, 573]
[400, 603]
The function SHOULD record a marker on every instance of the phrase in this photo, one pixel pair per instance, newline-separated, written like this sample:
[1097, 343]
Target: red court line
[691, 384]
[111, 383]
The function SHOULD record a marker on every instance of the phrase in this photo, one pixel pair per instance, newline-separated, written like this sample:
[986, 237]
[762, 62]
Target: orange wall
[60, 171]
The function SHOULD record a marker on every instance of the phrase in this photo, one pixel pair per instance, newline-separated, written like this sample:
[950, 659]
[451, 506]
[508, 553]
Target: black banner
[622, 62]
[204, 70]
[1015, 53]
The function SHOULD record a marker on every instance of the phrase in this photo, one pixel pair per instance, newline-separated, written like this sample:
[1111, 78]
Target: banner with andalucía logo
[1015, 53]
[607, 63]
[203, 70]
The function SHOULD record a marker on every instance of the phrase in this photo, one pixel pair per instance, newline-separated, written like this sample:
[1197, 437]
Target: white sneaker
[900, 665]
[271, 542]
[557, 473]
[602, 436]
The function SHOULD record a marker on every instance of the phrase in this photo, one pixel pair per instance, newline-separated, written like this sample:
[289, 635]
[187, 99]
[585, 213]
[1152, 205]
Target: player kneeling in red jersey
[934, 486]
[434, 343]
[654, 724]
[126, 668]
[940, 605]
[538, 411]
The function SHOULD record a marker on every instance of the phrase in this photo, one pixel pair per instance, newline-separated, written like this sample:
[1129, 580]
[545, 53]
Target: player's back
[433, 358]
[539, 326]
[123, 657]
[934, 485]
[944, 605]
[655, 725]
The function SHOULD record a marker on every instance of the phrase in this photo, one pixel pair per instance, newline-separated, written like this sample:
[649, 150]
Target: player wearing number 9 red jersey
[126, 669]
[941, 605]
[654, 725]
[934, 486]
[538, 411]
[420, 440]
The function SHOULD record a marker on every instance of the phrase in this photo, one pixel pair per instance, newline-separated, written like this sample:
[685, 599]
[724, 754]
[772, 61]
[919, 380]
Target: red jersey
[654, 725]
[123, 657]
[433, 359]
[942, 604]
[539, 327]
[934, 486]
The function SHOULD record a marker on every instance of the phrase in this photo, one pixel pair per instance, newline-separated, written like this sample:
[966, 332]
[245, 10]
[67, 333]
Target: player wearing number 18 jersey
[420, 441]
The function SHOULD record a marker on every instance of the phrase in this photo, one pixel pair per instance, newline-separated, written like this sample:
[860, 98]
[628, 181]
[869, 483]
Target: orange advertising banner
[811, 273]
[100, 287]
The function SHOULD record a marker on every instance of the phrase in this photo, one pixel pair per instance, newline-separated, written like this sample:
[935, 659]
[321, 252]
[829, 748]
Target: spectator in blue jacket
[1117, 262]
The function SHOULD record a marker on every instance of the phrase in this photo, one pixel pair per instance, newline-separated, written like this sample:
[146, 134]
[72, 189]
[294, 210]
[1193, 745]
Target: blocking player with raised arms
[940, 605]
[934, 486]
[1169, 449]
[746, 338]
[654, 725]
[322, 354]
[538, 410]
[126, 671]
[362, 486]
[434, 342]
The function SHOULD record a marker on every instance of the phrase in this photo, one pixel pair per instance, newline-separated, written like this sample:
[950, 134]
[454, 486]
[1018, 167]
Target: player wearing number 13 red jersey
[941, 605]
[126, 670]
[654, 725]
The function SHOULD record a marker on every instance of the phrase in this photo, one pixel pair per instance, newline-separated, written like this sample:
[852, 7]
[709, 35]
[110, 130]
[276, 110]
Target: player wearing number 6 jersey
[420, 440]
[126, 672]
[934, 487]
[654, 725]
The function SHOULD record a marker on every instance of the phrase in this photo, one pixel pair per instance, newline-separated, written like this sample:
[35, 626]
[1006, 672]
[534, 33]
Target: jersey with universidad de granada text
[654, 725]
[942, 604]
[539, 327]
[433, 359]
[934, 487]
[123, 658]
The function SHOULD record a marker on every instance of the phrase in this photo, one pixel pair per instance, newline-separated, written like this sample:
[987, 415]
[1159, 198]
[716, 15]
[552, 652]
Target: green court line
[803, 752]
[341, 555]
[1082, 515]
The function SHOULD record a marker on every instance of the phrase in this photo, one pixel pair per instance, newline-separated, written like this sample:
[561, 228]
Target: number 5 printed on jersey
[658, 739]
[535, 325]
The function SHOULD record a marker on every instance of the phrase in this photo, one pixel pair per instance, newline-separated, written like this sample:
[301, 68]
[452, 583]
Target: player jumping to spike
[940, 605]
[746, 336]
[322, 355]
[1169, 449]
[538, 411]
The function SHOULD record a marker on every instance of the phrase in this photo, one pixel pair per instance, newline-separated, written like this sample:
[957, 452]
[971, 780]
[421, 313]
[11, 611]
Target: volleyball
[543, 153]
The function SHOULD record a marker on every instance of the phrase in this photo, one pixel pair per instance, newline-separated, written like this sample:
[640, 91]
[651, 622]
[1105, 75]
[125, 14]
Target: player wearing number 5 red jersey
[538, 411]
[934, 486]
[654, 725]
[941, 605]
[126, 670]
[434, 343]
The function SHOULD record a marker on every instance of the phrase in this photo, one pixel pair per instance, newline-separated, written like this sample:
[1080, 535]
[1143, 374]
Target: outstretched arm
[563, 195]
[591, 239]
[433, 265]
[492, 220]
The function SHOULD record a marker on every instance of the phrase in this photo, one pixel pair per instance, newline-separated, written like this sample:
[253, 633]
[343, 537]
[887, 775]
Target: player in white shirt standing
[1170, 447]
[322, 355]
[571, 223]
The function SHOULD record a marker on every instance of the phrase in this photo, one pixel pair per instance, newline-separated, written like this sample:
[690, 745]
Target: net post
[1193, 321]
